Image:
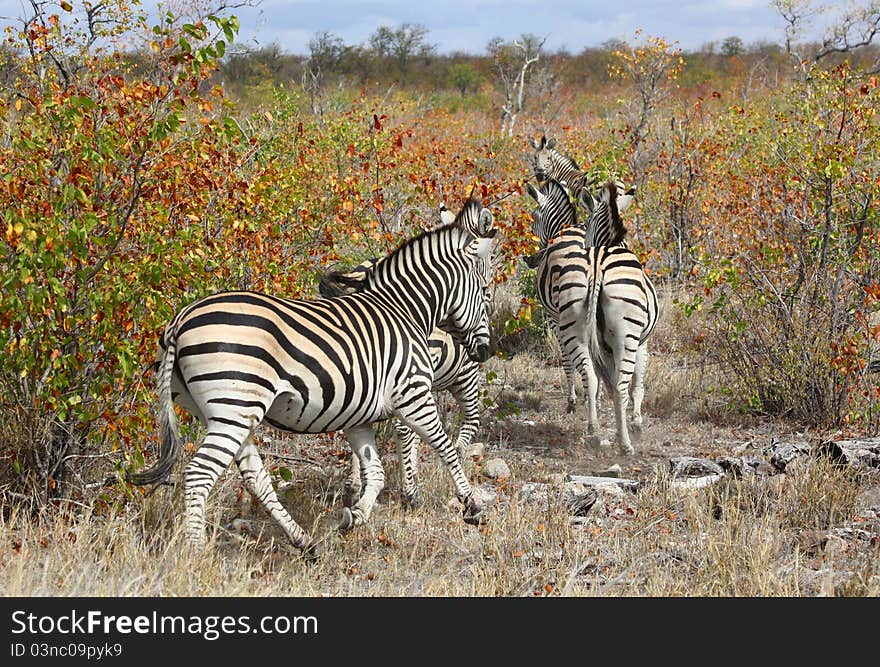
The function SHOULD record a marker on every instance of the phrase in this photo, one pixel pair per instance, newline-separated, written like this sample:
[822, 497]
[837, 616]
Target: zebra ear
[533, 192]
[551, 143]
[484, 224]
[587, 200]
[447, 217]
[626, 199]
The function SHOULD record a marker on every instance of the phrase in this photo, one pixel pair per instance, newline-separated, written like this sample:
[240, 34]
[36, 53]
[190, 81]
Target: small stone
[611, 471]
[487, 494]
[496, 469]
[609, 490]
[476, 449]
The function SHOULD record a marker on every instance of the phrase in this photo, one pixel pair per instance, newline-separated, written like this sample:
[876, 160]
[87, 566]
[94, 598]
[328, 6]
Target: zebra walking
[601, 302]
[453, 371]
[236, 359]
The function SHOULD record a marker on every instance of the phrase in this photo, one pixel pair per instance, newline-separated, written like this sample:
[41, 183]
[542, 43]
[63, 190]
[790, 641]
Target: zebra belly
[286, 413]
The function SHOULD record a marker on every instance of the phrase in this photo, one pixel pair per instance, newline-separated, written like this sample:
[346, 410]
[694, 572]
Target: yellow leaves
[66, 6]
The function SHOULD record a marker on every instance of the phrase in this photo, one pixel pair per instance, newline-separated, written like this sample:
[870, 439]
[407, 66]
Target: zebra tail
[596, 354]
[171, 443]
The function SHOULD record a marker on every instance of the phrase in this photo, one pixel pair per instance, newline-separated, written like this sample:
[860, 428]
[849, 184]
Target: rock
[869, 500]
[745, 466]
[688, 466]
[476, 450]
[609, 490]
[486, 493]
[496, 469]
[783, 453]
[611, 471]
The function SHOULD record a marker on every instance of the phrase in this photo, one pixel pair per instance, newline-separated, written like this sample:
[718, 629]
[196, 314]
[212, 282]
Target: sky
[467, 25]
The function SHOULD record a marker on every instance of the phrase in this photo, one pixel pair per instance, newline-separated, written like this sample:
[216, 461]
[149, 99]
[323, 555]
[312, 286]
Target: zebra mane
[605, 226]
[359, 279]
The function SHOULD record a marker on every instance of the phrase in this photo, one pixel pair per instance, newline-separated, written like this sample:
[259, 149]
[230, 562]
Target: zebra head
[555, 210]
[339, 284]
[467, 320]
[472, 218]
[625, 197]
[544, 157]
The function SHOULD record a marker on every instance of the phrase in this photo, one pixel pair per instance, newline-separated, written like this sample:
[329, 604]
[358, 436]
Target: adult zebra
[547, 162]
[236, 359]
[601, 302]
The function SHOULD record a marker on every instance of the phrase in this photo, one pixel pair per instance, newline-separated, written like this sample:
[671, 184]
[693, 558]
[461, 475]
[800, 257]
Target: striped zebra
[601, 302]
[547, 162]
[236, 359]
[453, 371]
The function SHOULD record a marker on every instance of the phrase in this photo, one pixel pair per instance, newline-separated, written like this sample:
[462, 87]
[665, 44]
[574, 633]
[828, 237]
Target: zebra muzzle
[480, 354]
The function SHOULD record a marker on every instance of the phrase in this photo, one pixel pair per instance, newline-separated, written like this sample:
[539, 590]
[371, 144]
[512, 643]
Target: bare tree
[854, 27]
[512, 61]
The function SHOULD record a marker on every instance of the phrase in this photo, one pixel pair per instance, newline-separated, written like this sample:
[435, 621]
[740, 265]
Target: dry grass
[811, 532]
[792, 535]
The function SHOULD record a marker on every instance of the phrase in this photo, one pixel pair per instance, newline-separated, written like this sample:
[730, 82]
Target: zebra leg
[422, 417]
[578, 355]
[467, 394]
[214, 455]
[363, 444]
[353, 483]
[408, 455]
[259, 484]
[568, 369]
[620, 397]
[638, 387]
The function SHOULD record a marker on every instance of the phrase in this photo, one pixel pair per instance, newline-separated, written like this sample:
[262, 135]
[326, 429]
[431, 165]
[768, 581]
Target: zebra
[601, 303]
[547, 162]
[453, 371]
[237, 359]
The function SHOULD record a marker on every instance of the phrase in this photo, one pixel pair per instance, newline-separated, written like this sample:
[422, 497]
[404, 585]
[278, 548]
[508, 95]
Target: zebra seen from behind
[237, 359]
[600, 300]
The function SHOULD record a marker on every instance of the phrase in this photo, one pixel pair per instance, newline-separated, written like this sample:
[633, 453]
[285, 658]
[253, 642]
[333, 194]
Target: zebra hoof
[312, 552]
[346, 522]
[626, 450]
[570, 408]
[474, 513]
[412, 502]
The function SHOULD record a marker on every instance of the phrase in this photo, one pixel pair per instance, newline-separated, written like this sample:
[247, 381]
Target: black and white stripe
[548, 162]
[453, 371]
[602, 303]
[237, 359]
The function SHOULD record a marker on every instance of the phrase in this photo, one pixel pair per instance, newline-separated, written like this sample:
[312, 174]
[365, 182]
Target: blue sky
[461, 25]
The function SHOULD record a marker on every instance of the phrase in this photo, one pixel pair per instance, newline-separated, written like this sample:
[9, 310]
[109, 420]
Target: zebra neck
[419, 305]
